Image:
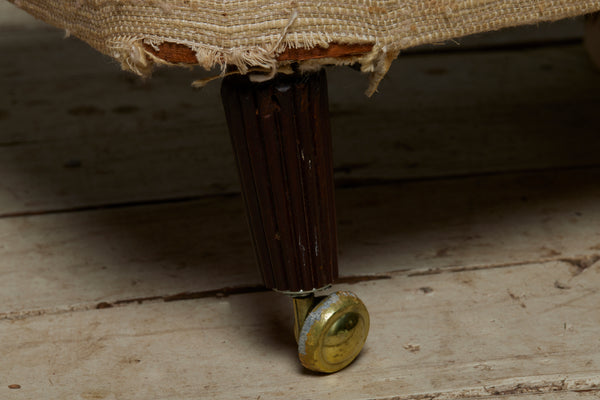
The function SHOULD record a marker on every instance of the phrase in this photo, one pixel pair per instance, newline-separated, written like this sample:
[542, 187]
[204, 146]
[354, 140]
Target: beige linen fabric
[249, 33]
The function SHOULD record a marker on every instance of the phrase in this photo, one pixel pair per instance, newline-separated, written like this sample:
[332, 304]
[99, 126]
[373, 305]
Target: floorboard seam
[582, 263]
[237, 290]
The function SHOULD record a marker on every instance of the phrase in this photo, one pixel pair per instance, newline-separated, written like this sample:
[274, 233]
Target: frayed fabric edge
[261, 63]
[376, 63]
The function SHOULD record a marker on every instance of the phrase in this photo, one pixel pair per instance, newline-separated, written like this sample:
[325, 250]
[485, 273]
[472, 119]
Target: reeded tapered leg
[282, 142]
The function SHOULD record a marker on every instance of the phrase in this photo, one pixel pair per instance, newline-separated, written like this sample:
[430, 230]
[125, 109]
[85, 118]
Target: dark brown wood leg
[282, 141]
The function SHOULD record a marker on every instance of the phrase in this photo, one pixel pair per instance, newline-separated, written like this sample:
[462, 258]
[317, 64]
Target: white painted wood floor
[469, 219]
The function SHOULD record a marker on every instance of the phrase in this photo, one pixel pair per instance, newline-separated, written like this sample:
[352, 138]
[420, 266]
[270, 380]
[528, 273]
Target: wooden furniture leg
[282, 142]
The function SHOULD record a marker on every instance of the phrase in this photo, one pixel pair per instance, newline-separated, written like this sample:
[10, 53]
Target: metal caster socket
[330, 330]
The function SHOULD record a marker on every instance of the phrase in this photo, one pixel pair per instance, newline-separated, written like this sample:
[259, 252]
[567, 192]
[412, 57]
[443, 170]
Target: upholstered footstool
[270, 55]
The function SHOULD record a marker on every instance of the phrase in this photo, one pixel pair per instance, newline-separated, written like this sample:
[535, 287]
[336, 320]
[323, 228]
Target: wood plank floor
[468, 195]
[466, 334]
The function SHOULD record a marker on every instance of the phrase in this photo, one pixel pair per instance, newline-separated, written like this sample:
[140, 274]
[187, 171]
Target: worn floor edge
[513, 386]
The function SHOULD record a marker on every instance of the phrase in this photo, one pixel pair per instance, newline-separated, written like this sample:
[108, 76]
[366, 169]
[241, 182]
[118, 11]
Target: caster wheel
[330, 331]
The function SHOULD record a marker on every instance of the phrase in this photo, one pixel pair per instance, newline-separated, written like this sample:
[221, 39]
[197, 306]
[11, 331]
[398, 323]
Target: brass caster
[330, 331]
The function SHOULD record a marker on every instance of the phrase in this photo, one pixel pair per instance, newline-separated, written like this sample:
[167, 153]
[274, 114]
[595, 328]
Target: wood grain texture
[334, 50]
[282, 140]
[173, 53]
[484, 334]
[76, 132]
[54, 263]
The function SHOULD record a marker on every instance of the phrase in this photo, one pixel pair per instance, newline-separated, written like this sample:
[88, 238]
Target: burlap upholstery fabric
[248, 33]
